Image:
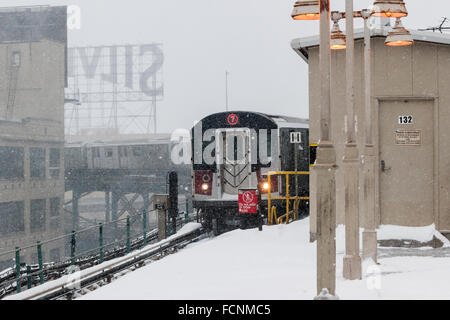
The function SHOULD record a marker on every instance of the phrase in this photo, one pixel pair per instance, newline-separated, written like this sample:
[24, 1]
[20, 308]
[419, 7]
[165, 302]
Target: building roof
[32, 24]
[301, 45]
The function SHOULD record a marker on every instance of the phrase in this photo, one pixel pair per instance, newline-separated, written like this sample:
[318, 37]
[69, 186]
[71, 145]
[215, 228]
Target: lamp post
[352, 260]
[326, 156]
[369, 168]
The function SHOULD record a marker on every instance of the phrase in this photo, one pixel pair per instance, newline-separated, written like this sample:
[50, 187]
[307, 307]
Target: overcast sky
[203, 38]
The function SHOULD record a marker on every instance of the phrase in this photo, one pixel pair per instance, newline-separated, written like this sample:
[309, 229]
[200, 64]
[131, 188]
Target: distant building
[33, 76]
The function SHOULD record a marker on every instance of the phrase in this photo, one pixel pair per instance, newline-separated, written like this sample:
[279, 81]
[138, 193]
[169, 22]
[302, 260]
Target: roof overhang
[302, 45]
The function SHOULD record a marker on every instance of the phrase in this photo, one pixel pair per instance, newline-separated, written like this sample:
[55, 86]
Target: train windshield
[241, 145]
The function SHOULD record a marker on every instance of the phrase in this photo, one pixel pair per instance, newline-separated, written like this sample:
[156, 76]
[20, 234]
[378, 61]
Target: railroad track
[100, 275]
[7, 283]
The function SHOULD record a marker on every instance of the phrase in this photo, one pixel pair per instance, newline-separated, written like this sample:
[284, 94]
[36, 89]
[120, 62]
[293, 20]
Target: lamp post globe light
[399, 36]
[389, 9]
[306, 10]
[338, 41]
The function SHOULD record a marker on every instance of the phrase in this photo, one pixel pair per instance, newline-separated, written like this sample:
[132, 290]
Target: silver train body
[236, 150]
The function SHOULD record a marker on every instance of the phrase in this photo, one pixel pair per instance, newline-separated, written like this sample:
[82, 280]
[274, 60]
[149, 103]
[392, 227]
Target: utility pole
[325, 166]
[351, 163]
[226, 90]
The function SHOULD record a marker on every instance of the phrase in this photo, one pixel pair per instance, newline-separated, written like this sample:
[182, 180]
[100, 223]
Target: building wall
[36, 121]
[414, 74]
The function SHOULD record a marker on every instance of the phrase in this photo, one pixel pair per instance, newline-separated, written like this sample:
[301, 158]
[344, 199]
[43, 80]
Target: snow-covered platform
[280, 263]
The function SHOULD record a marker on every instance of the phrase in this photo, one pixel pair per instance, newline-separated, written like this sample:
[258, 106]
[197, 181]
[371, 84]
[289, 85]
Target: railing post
[144, 226]
[28, 277]
[287, 198]
[72, 248]
[41, 267]
[128, 234]
[18, 282]
[269, 200]
[100, 241]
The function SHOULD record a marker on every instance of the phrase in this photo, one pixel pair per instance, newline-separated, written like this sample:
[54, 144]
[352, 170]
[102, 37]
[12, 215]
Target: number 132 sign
[405, 119]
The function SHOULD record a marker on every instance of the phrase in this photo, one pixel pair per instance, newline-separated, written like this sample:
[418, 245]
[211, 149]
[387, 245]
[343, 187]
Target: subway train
[235, 151]
[148, 155]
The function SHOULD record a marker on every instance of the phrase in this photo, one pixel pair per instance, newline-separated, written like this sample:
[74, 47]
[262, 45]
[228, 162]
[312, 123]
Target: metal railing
[272, 210]
[122, 241]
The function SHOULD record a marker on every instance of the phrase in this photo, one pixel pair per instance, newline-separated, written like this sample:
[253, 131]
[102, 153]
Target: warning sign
[248, 201]
[408, 137]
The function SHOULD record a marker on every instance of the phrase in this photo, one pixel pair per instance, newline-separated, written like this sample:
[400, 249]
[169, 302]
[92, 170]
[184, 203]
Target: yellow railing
[272, 211]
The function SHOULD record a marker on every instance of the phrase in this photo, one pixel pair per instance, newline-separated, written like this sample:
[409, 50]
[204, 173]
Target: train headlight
[265, 186]
[205, 187]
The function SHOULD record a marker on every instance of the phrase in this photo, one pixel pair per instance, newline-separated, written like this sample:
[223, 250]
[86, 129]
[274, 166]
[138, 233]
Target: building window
[11, 217]
[15, 59]
[96, 152]
[37, 162]
[37, 215]
[137, 151]
[11, 163]
[123, 152]
[55, 163]
[55, 207]
[108, 152]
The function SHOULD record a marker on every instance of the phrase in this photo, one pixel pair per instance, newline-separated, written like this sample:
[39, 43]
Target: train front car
[236, 151]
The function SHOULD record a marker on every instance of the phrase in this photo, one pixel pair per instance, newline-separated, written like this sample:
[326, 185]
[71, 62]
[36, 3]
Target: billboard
[131, 72]
[112, 83]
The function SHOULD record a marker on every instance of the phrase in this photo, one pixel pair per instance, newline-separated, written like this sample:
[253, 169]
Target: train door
[295, 150]
[233, 160]
[123, 157]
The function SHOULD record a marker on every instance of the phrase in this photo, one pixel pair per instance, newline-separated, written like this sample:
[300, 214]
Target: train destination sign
[248, 201]
[408, 137]
[233, 119]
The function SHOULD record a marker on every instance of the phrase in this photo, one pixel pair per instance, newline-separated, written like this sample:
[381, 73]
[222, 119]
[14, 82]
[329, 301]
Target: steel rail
[118, 266]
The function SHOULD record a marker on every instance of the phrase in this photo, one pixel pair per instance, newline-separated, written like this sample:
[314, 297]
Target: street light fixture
[389, 9]
[399, 36]
[337, 36]
[306, 10]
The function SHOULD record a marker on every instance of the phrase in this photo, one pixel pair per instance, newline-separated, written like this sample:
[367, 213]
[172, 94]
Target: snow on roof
[301, 45]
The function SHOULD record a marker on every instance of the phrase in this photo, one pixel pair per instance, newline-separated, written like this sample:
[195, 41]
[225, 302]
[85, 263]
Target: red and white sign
[232, 119]
[248, 201]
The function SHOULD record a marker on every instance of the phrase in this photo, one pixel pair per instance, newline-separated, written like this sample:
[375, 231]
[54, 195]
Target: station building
[33, 73]
[413, 180]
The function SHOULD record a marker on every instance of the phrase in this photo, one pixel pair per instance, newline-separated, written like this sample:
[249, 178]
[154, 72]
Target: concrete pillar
[161, 204]
[325, 169]
[369, 160]
[352, 259]
[369, 234]
[325, 193]
[351, 162]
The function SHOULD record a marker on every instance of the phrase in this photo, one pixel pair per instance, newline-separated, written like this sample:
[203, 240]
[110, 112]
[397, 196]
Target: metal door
[406, 162]
[235, 166]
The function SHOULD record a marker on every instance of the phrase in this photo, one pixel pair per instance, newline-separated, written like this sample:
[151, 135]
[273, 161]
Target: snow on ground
[279, 263]
[67, 280]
